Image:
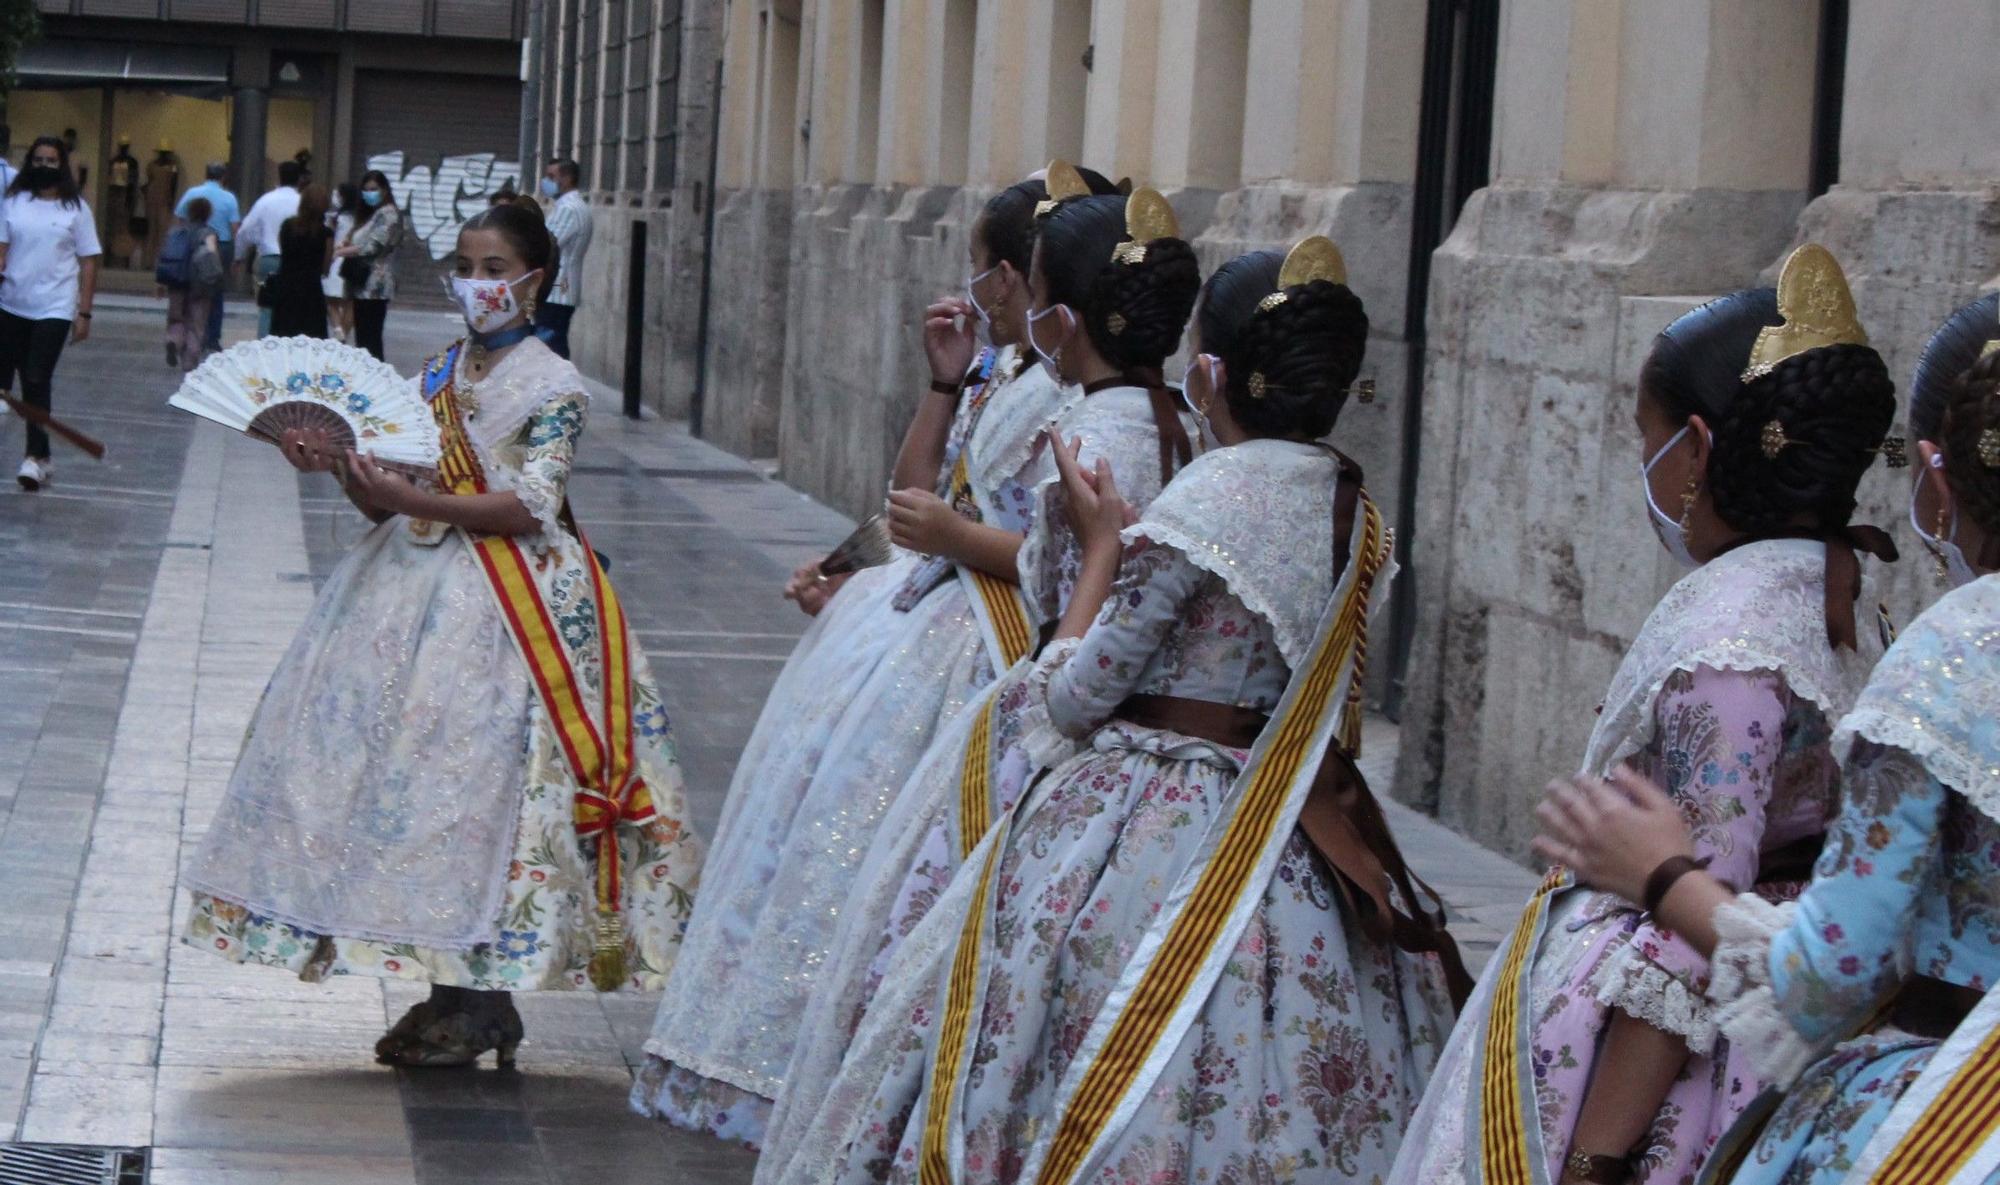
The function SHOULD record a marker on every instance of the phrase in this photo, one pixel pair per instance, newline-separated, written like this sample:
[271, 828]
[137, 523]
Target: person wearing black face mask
[48, 280]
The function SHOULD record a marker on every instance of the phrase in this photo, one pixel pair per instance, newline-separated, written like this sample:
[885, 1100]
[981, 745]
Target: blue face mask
[372, 196]
[548, 187]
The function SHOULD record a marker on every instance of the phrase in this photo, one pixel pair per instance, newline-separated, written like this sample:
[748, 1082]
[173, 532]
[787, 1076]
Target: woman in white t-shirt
[48, 280]
[339, 310]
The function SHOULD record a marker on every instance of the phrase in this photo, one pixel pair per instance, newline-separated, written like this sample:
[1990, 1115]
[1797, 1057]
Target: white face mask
[1206, 363]
[1673, 536]
[973, 296]
[1957, 570]
[487, 304]
[1051, 363]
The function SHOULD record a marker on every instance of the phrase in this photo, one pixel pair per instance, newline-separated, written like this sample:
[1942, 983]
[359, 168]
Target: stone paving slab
[142, 606]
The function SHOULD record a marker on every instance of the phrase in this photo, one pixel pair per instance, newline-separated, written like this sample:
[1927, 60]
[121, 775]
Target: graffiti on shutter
[437, 201]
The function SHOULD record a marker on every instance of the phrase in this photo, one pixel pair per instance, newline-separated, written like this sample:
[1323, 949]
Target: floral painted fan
[267, 386]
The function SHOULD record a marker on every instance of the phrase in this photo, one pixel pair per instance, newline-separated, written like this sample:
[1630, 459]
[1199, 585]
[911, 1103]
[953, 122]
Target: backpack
[205, 269]
[175, 254]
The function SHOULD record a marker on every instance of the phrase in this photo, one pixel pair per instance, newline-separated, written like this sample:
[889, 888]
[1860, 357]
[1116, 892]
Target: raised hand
[1611, 833]
[368, 484]
[949, 339]
[309, 450]
[1096, 511]
[921, 521]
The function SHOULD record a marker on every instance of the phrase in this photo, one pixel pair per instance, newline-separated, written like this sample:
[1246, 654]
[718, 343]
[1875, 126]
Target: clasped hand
[949, 340]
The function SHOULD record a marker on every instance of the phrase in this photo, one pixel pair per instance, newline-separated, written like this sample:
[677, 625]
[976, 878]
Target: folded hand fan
[867, 547]
[267, 386]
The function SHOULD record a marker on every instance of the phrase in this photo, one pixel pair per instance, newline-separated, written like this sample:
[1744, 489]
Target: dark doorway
[635, 319]
[1454, 153]
[1828, 86]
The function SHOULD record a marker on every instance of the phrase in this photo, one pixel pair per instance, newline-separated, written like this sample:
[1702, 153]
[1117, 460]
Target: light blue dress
[1909, 884]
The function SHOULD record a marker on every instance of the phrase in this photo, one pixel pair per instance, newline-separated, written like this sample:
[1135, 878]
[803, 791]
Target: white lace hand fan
[267, 386]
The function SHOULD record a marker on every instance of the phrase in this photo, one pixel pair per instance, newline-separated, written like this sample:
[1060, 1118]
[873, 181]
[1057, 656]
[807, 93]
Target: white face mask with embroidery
[487, 304]
[1957, 569]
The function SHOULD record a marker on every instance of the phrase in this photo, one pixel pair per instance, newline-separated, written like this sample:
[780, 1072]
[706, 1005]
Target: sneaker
[34, 474]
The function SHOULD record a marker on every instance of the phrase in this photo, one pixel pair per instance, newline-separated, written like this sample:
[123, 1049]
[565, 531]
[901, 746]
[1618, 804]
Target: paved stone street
[143, 602]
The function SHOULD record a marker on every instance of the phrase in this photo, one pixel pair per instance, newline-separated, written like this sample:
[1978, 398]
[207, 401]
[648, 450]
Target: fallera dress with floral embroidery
[891, 659]
[1744, 747]
[1909, 884]
[1305, 1060]
[913, 857]
[402, 792]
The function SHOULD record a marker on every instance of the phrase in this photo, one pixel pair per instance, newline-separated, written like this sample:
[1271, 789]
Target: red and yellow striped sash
[975, 777]
[1964, 1115]
[1503, 1113]
[961, 993]
[603, 762]
[1004, 616]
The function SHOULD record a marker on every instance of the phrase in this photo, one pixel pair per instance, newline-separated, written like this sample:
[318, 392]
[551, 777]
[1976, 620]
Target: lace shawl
[1010, 428]
[1760, 607]
[1936, 694]
[1259, 516]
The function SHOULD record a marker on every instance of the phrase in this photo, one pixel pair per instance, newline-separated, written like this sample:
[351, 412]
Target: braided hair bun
[1304, 352]
[1133, 312]
[1790, 445]
[1972, 413]
[1950, 353]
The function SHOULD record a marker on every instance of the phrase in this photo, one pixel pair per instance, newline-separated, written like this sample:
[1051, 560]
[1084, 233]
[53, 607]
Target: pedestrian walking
[569, 222]
[224, 218]
[339, 309]
[451, 778]
[259, 235]
[190, 274]
[48, 281]
[368, 259]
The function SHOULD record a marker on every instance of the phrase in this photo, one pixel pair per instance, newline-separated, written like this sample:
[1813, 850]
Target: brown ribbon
[1341, 818]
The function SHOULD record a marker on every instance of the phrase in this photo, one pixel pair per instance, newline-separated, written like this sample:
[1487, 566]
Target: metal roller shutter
[446, 141]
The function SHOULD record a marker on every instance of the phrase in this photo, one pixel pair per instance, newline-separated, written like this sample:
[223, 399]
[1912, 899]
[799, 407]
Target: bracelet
[1663, 879]
[84, 315]
[1597, 1169]
[946, 388]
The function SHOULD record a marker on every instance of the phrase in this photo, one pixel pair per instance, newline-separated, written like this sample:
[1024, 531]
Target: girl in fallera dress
[1590, 1051]
[431, 789]
[1898, 936]
[1112, 285]
[894, 654]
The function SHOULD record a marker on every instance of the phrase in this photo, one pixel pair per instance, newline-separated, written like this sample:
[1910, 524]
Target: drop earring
[1688, 497]
[1937, 552]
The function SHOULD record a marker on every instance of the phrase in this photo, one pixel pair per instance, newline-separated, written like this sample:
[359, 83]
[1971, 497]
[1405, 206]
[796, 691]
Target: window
[590, 42]
[667, 97]
[637, 111]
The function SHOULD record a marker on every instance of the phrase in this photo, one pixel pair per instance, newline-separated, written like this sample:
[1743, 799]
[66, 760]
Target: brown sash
[1341, 818]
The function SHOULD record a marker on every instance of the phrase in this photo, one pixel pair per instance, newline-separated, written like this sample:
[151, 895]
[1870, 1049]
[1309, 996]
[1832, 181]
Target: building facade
[1525, 190]
[428, 91]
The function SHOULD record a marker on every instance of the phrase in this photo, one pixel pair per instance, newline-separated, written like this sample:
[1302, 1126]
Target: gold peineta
[1314, 258]
[1148, 217]
[1063, 181]
[1818, 311]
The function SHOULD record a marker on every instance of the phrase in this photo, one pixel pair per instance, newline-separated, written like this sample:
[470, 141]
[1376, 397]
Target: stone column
[1915, 215]
[1642, 153]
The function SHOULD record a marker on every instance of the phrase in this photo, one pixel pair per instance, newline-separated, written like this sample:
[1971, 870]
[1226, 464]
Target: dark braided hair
[1834, 404]
[1133, 312]
[522, 226]
[1951, 352]
[1007, 223]
[1308, 350]
[1973, 411]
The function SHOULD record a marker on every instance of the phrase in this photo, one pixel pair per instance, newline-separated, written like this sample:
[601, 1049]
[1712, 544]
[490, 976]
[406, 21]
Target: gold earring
[1688, 497]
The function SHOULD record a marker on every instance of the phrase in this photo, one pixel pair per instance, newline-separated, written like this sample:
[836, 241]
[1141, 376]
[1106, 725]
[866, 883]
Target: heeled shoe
[456, 1038]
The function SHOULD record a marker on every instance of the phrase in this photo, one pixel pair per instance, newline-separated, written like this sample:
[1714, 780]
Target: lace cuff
[1643, 989]
[1045, 745]
[1747, 1010]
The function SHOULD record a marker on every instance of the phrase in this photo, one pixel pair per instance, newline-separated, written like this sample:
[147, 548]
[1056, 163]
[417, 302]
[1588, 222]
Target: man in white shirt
[260, 230]
[569, 222]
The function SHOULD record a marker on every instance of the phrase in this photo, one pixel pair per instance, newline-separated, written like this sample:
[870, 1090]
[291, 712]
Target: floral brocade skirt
[1303, 1064]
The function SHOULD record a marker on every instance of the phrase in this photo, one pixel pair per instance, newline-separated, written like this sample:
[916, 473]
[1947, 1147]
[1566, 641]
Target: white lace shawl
[521, 384]
[1258, 515]
[1010, 428]
[1761, 607]
[1936, 694]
